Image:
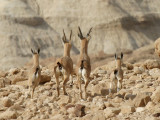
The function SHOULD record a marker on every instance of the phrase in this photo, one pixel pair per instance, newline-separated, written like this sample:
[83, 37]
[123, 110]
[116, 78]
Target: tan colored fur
[117, 75]
[67, 49]
[84, 60]
[34, 80]
[67, 66]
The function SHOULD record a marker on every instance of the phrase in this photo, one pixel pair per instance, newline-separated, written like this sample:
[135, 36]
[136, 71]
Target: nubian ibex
[117, 75]
[83, 68]
[34, 73]
[64, 65]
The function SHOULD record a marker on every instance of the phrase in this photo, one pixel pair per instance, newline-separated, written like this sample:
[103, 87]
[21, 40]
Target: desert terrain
[137, 100]
[131, 27]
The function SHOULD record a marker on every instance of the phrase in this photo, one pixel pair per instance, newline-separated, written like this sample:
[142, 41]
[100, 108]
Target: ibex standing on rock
[117, 75]
[83, 68]
[64, 65]
[34, 73]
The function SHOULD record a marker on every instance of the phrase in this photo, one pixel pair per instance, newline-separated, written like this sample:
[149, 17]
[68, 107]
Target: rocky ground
[117, 25]
[138, 100]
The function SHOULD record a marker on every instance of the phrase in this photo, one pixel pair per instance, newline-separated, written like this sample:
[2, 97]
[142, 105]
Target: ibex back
[64, 65]
[34, 73]
[83, 68]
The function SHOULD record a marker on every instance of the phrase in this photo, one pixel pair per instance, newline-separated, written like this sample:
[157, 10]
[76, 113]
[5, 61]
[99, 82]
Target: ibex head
[67, 44]
[64, 39]
[35, 56]
[116, 57]
[119, 60]
[35, 52]
[80, 35]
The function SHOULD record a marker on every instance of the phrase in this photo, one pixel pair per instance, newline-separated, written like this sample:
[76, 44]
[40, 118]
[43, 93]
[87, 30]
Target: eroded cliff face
[117, 25]
[121, 24]
[21, 29]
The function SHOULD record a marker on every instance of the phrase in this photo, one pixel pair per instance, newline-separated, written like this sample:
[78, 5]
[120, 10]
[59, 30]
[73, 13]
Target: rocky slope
[117, 25]
[138, 99]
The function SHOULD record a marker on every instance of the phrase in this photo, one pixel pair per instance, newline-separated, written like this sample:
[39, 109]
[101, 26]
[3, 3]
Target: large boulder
[99, 89]
[7, 102]
[17, 75]
[3, 74]
[127, 109]
[77, 110]
[150, 64]
[141, 99]
[7, 115]
[64, 100]
[111, 112]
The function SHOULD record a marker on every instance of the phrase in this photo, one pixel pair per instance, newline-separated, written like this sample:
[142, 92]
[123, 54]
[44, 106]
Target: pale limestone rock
[150, 105]
[14, 71]
[137, 70]
[117, 99]
[155, 72]
[101, 71]
[7, 102]
[99, 116]
[3, 74]
[45, 78]
[110, 112]
[17, 78]
[150, 64]
[140, 109]
[108, 104]
[140, 85]
[8, 115]
[129, 96]
[156, 95]
[64, 100]
[123, 92]
[16, 107]
[127, 109]
[77, 110]
[129, 66]
[99, 89]
[151, 118]
[134, 78]
[141, 100]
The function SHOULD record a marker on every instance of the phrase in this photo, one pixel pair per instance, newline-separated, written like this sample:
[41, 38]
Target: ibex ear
[121, 55]
[70, 38]
[63, 41]
[88, 38]
[115, 56]
[88, 34]
[63, 38]
[80, 35]
[32, 51]
[38, 50]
